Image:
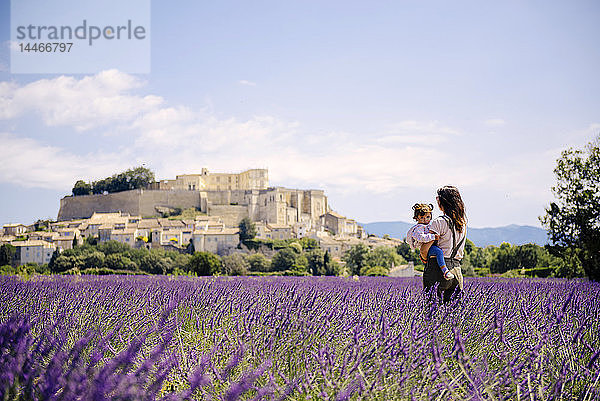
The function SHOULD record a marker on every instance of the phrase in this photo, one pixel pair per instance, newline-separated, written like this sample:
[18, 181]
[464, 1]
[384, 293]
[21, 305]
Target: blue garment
[438, 253]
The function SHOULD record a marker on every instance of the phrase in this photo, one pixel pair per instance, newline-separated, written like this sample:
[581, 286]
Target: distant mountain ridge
[481, 237]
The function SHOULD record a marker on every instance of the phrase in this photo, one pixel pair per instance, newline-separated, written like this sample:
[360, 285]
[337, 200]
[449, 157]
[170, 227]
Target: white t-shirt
[439, 225]
[418, 235]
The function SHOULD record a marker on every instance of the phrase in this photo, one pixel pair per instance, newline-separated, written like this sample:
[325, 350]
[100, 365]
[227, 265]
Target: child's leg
[439, 255]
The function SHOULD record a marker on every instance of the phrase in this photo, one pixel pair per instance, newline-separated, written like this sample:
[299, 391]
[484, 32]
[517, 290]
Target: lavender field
[146, 338]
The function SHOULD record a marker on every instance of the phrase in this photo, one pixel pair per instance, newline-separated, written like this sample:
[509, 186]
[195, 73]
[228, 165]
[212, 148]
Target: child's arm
[425, 248]
[420, 234]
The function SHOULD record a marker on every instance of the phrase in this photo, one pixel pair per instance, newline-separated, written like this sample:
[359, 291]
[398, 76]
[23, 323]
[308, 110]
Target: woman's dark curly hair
[453, 206]
[421, 209]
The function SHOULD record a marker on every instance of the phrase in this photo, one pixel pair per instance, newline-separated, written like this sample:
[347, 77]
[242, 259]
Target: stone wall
[230, 214]
[181, 199]
[271, 205]
[136, 202]
[83, 206]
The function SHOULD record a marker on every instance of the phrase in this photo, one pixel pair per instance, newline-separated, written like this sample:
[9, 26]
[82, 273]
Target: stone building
[216, 240]
[35, 251]
[207, 181]
[339, 225]
[276, 205]
[279, 231]
[229, 196]
[14, 229]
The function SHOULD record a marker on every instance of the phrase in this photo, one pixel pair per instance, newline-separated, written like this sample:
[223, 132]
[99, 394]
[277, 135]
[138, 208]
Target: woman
[452, 231]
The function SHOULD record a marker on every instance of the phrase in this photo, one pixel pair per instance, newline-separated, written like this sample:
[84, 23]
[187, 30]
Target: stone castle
[129, 217]
[229, 196]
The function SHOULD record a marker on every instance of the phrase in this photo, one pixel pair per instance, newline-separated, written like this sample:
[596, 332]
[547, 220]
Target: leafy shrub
[258, 263]
[540, 272]
[204, 264]
[235, 265]
[374, 271]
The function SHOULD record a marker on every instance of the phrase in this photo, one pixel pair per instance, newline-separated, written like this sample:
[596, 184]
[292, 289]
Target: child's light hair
[421, 209]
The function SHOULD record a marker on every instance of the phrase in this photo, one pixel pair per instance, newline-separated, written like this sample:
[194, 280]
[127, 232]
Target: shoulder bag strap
[455, 250]
[455, 247]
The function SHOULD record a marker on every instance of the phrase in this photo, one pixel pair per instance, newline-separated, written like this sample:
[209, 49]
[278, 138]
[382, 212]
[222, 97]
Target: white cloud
[189, 141]
[411, 132]
[425, 127]
[175, 139]
[90, 102]
[494, 122]
[247, 83]
[412, 139]
[29, 163]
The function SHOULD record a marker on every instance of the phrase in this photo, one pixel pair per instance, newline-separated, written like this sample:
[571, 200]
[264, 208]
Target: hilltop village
[200, 210]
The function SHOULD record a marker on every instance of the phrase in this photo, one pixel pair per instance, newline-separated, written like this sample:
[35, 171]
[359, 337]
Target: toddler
[419, 235]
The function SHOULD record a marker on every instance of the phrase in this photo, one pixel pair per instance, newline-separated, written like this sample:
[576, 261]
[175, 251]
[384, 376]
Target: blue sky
[377, 103]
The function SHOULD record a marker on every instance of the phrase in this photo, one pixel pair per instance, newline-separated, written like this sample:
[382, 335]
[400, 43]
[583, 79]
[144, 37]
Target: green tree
[385, 257]
[55, 255]
[234, 265]
[477, 257]
[285, 259]
[258, 263]
[66, 262]
[7, 252]
[308, 243]
[316, 262]
[332, 268]
[204, 264]
[356, 258]
[42, 225]
[247, 229]
[503, 259]
[117, 261]
[94, 259]
[296, 247]
[469, 246]
[300, 265]
[528, 256]
[573, 221]
[375, 271]
[82, 188]
[91, 240]
[410, 255]
[155, 263]
[176, 260]
[569, 265]
[138, 177]
[112, 246]
[191, 248]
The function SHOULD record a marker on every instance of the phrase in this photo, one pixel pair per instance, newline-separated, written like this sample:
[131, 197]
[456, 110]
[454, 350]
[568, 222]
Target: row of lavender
[296, 338]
